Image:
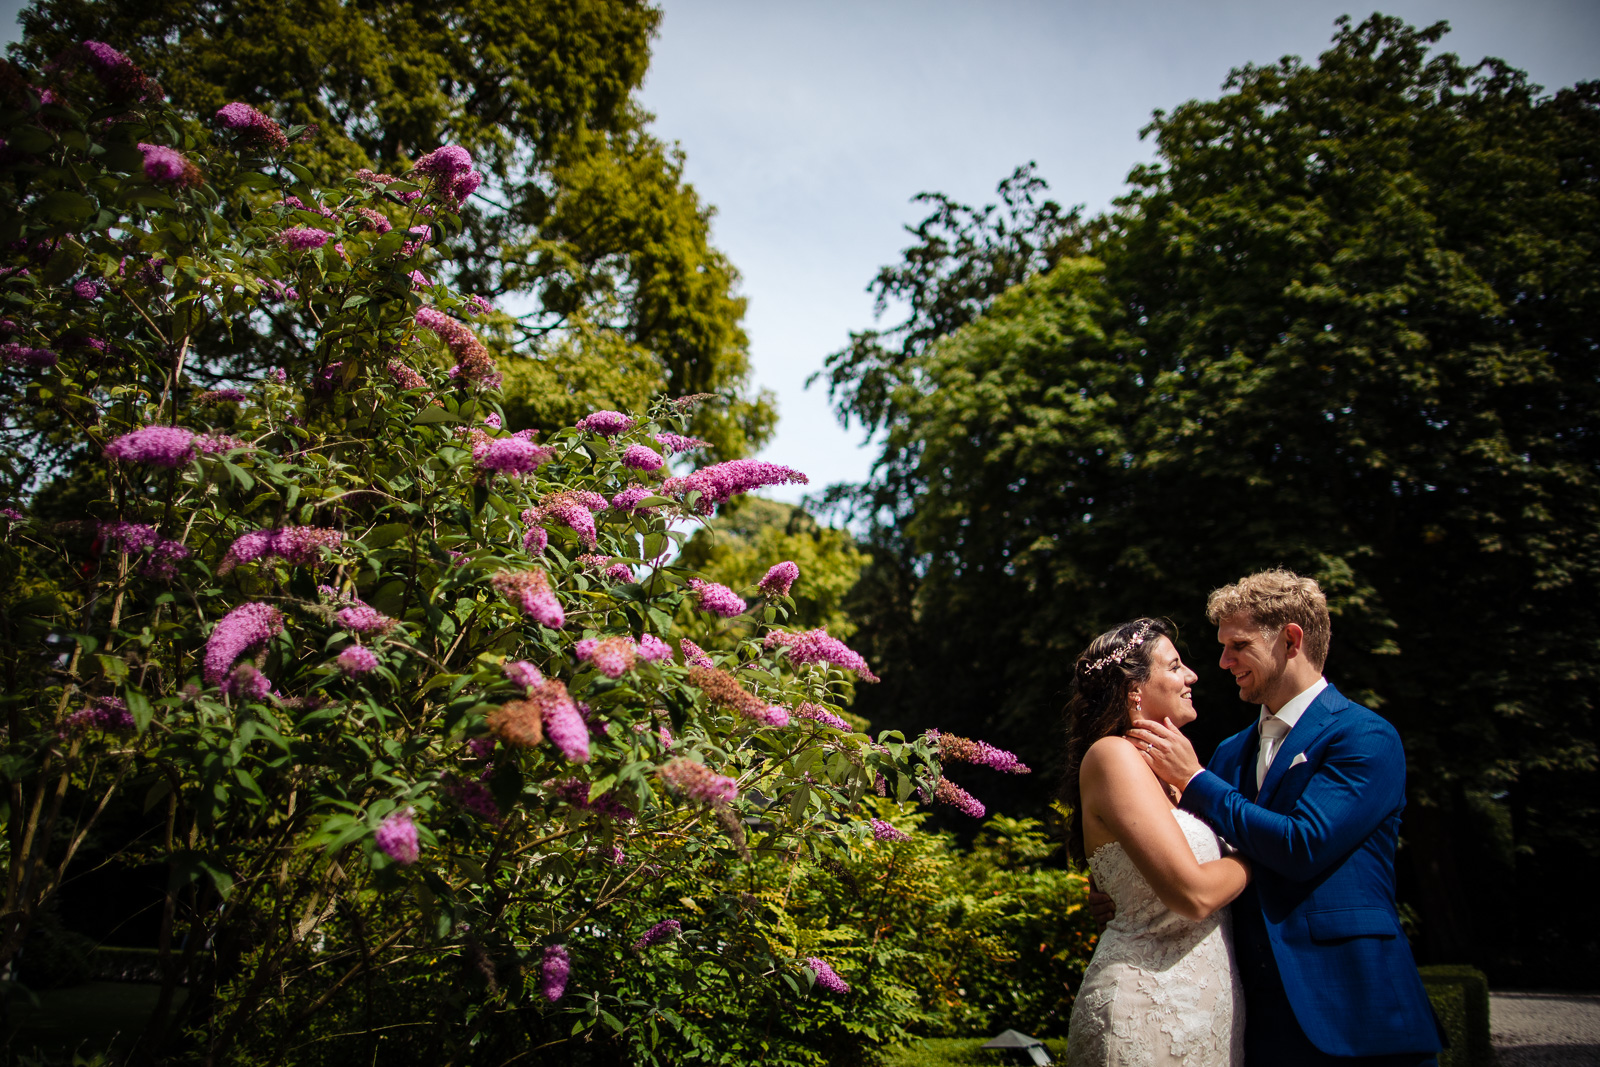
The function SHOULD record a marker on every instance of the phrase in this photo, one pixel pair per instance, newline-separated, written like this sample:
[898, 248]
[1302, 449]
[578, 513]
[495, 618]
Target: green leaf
[64, 205]
[139, 707]
[386, 534]
[432, 414]
[239, 474]
[301, 174]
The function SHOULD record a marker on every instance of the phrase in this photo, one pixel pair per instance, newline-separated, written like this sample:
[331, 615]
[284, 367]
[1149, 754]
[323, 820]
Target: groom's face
[1256, 660]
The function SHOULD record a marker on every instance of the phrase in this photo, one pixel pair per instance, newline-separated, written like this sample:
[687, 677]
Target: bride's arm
[1121, 794]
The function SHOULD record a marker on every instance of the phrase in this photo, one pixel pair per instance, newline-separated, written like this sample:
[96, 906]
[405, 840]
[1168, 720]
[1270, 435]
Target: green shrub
[1460, 994]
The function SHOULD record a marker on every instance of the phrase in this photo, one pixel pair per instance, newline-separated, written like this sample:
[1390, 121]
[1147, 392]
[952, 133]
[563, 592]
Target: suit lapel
[1316, 719]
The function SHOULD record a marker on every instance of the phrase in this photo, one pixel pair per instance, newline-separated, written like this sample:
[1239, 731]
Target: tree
[1344, 323]
[583, 230]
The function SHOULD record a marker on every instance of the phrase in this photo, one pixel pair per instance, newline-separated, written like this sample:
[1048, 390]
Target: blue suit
[1319, 916]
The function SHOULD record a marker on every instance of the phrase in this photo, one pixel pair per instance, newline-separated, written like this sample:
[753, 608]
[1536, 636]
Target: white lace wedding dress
[1160, 990]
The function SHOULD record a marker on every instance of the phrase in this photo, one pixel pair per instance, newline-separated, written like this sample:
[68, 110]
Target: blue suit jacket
[1322, 834]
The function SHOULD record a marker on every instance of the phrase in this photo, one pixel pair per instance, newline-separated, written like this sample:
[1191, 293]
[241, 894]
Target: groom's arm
[1360, 782]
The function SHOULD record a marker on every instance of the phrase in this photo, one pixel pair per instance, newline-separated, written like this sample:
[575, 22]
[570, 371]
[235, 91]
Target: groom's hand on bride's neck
[1166, 750]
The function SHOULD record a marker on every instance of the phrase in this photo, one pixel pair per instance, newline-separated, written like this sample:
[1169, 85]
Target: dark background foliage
[1344, 324]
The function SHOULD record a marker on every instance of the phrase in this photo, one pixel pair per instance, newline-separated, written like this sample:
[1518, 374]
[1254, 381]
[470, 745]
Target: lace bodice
[1161, 990]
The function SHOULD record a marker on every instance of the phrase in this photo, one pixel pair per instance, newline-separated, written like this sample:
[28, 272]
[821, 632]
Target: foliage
[386, 680]
[749, 534]
[584, 230]
[1343, 323]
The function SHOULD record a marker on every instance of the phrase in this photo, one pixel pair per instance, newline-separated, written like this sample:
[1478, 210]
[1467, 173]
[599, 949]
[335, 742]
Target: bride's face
[1167, 693]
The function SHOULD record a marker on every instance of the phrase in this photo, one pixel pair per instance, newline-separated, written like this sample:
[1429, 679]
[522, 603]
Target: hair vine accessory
[1122, 653]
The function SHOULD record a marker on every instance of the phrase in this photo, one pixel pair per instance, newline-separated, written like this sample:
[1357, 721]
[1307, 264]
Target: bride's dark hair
[1102, 678]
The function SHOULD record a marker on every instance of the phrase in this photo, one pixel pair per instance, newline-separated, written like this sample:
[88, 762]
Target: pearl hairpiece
[1122, 653]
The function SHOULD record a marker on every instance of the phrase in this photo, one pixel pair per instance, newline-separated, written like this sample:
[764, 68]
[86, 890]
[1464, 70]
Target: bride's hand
[1166, 750]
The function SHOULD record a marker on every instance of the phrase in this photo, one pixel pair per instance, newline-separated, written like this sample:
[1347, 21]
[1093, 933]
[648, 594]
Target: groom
[1311, 793]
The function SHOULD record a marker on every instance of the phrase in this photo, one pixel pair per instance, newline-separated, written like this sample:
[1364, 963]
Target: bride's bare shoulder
[1111, 754]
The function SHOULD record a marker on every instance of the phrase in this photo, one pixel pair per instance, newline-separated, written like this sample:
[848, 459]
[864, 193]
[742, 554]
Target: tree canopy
[583, 231]
[1343, 323]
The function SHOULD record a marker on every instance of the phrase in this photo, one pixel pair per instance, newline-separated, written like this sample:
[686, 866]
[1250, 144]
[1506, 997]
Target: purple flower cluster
[405, 377]
[553, 972]
[537, 537]
[252, 126]
[303, 238]
[472, 358]
[816, 647]
[221, 396]
[575, 510]
[825, 976]
[295, 545]
[723, 481]
[953, 749]
[654, 650]
[698, 782]
[166, 166]
[132, 538]
[658, 933]
[818, 713]
[117, 73]
[777, 581]
[516, 456]
[356, 661]
[530, 590]
[563, 724]
[673, 443]
[246, 627]
[451, 168]
[948, 792]
[361, 618]
[397, 836]
[86, 289]
[628, 499]
[159, 446]
[884, 831]
[26, 356]
[380, 223]
[103, 713]
[247, 683]
[640, 458]
[612, 657]
[606, 423]
[477, 305]
[717, 599]
[522, 674]
[693, 656]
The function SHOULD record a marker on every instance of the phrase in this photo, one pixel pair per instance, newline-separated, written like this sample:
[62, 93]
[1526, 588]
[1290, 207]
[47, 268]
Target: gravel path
[1545, 1029]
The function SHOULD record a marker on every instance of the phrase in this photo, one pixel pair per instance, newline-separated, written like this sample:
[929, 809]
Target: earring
[1138, 703]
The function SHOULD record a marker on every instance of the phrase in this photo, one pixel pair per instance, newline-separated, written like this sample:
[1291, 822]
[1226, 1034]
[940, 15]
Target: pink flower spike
[252, 126]
[553, 973]
[246, 627]
[522, 674]
[825, 976]
[159, 446]
[818, 713]
[693, 656]
[947, 792]
[397, 837]
[778, 580]
[356, 661]
[816, 647]
[653, 649]
[698, 782]
[719, 483]
[166, 166]
[362, 619]
[888, 831]
[530, 590]
[640, 458]
[661, 931]
[606, 423]
[717, 599]
[513, 456]
[302, 238]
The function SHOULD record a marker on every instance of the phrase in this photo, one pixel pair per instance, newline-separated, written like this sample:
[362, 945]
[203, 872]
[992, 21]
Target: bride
[1162, 988]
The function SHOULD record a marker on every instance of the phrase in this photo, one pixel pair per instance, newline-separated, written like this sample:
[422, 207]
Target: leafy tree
[1343, 323]
[583, 230]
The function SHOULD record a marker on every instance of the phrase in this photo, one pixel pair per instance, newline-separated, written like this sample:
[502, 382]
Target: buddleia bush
[401, 691]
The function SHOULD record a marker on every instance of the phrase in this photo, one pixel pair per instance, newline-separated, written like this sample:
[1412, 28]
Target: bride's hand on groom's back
[1101, 907]
[1166, 750]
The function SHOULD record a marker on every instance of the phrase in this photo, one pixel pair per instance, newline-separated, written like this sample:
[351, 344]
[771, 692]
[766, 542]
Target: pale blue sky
[809, 125]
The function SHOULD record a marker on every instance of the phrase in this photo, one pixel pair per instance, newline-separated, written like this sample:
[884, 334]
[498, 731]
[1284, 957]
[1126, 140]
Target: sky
[810, 124]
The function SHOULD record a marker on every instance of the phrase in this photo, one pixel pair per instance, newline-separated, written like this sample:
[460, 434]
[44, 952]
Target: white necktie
[1273, 731]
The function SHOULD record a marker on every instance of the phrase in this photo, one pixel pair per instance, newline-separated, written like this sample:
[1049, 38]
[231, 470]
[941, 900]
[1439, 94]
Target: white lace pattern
[1161, 991]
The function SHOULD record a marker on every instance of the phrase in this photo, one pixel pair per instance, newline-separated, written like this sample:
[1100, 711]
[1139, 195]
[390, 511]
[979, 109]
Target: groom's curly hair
[1098, 706]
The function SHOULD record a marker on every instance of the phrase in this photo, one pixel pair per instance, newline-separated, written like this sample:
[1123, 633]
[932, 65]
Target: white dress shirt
[1288, 715]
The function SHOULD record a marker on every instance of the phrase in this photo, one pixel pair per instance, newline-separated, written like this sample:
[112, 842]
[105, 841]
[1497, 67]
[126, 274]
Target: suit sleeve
[1360, 782]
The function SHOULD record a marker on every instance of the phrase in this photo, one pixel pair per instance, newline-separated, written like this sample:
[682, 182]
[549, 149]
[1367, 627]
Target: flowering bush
[394, 674]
